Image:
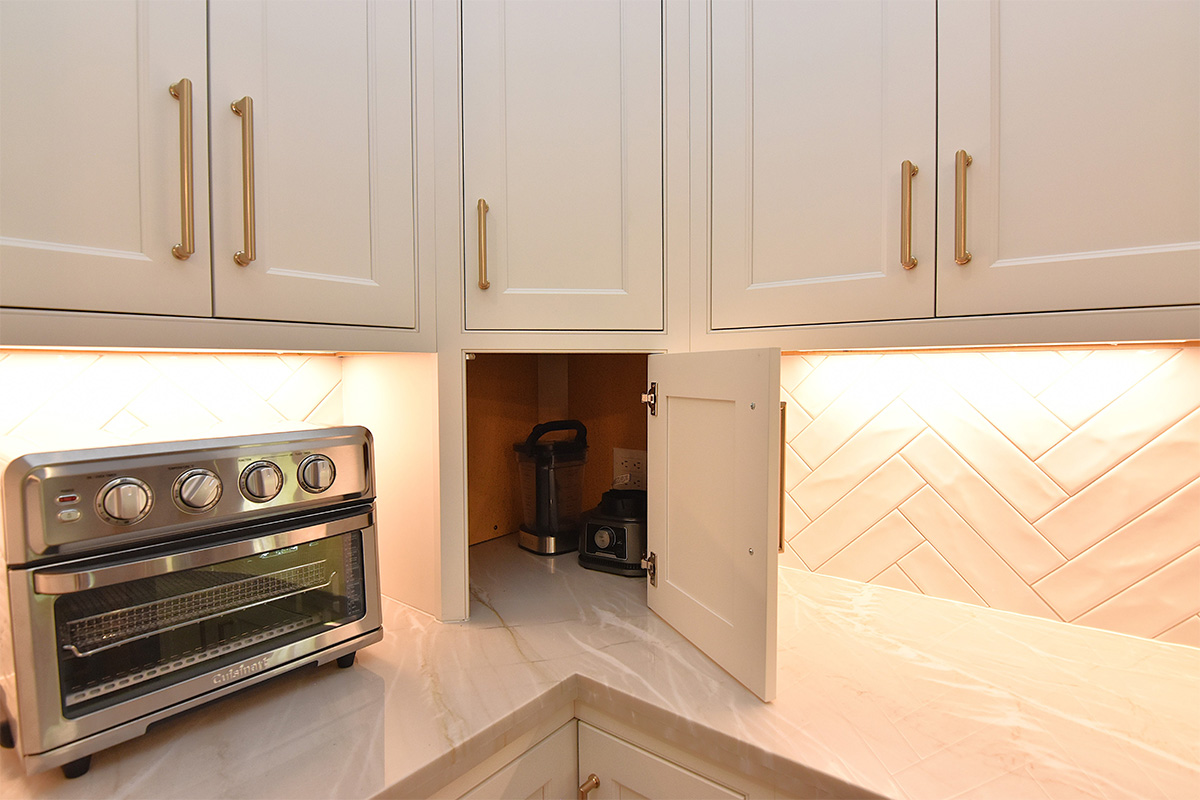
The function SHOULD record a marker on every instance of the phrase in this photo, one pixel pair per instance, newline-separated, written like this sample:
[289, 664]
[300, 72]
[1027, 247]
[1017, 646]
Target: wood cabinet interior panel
[502, 407]
[507, 394]
[604, 392]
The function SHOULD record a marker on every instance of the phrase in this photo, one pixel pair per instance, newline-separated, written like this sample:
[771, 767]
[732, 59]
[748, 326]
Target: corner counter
[881, 692]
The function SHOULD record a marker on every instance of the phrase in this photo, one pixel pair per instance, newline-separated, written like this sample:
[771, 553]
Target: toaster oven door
[109, 640]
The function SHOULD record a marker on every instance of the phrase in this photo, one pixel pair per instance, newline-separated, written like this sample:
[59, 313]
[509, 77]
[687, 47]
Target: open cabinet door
[713, 444]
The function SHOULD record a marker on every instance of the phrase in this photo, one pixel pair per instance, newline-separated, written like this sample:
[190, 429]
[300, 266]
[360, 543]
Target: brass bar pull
[961, 162]
[907, 170]
[586, 787]
[482, 209]
[782, 470]
[244, 108]
[182, 91]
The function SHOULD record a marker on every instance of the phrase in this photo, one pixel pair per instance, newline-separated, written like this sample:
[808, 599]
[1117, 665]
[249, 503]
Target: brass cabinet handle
[782, 470]
[961, 162]
[182, 91]
[907, 170]
[592, 781]
[482, 209]
[244, 108]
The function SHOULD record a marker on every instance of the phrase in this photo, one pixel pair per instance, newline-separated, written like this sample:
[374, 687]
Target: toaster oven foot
[6, 737]
[347, 660]
[77, 767]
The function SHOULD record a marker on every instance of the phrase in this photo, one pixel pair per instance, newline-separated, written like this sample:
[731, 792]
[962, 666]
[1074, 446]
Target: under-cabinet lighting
[992, 348]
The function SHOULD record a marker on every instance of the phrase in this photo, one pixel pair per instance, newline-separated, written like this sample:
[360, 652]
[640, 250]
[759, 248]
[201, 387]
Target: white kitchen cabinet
[561, 764]
[545, 771]
[1082, 121]
[334, 216]
[90, 172]
[562, 124]
[625, 771]
[91, 158]
[713, 522]
[814, 107]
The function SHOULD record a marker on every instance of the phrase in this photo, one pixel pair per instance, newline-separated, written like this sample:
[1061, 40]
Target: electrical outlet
[629, 469]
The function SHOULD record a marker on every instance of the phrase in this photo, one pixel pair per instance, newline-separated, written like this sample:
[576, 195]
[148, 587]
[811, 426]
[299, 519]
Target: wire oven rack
[137, 618]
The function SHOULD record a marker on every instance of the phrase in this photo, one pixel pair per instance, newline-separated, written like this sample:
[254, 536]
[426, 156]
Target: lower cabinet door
[626, 771]
[545, 771]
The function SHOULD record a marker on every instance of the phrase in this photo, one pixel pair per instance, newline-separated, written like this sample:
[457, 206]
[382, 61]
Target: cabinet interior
[508, 393]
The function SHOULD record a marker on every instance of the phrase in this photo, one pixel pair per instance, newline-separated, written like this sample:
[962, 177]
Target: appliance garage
[144, 580]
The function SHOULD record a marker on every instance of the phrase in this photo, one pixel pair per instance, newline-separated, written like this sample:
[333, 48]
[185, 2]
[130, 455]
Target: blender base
[546, 544]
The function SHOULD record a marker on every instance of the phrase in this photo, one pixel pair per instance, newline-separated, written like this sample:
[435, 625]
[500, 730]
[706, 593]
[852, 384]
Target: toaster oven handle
[60, 581]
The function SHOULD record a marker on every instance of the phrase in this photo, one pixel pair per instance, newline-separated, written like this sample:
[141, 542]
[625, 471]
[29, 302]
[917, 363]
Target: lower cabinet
[562, 765]
[626, 771]
[545, 771]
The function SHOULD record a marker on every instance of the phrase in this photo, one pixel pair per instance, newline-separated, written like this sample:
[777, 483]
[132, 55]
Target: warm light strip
[1172, 343]
[166, 351]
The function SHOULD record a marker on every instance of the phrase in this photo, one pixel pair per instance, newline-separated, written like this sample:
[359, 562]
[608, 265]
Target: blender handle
[558, 425]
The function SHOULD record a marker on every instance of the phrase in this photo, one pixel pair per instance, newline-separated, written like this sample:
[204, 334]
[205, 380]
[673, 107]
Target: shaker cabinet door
[713, 451]
[562, 109]
[331, 216]
[1082, 123]
[91, 174]
[626, 771]
[815, 105]
[543, 772]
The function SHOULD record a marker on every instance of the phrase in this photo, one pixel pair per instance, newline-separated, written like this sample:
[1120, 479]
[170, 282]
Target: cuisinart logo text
[241, 671]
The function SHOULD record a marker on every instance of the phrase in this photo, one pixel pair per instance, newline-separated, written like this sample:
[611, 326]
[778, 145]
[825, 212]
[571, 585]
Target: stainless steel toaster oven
[144, 580]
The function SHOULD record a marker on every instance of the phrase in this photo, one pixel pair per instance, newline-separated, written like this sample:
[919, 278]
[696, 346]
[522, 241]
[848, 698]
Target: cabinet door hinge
[650, 564]
[650, 398]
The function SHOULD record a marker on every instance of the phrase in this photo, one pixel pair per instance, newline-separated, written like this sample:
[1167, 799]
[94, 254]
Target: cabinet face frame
[571, 243]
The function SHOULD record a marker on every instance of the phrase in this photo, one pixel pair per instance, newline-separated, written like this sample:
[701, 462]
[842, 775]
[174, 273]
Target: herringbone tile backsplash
[67, 400]
[1058, 483]
[1063, 484]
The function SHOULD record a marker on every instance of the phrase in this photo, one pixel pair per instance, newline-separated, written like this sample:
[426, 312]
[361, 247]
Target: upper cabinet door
[1082, 122]
[332, 216]
[814, 107]
[713, 447]
[90, 169]
[563, 143]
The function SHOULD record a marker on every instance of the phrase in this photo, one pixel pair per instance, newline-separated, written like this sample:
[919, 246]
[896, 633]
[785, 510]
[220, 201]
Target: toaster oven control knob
[124, 501]
[316, 473]
[197, 490]
[261, 481]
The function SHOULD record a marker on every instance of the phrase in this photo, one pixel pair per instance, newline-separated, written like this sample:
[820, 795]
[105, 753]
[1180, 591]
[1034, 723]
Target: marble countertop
[880, 691]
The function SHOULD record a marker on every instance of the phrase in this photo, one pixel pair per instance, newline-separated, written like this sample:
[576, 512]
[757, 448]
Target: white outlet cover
[629, 468]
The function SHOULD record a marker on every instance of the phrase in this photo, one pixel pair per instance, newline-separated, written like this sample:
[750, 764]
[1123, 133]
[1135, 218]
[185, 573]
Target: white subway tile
[879, 440]
[980, 567]
[871, 501]
[1157, 402]
[1138, 483]
[933, 575]
[1099, 378]
[995, 458]
[1145, 545]
[1155, 604]
[879, 546]
[1016, 541]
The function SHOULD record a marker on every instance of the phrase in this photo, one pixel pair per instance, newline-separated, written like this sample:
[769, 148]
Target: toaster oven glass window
[117, 642]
